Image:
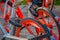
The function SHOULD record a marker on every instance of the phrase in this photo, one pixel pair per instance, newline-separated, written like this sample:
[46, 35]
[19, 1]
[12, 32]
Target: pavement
[56, 11]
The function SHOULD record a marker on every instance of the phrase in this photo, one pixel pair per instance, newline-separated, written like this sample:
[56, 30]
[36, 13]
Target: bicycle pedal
[14, 38]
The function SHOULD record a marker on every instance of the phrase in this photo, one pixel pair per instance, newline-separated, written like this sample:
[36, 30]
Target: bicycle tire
[52, 15]
[45, 28]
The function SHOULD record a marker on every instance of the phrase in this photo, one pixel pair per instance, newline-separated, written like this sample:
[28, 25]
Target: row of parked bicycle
[45, 23]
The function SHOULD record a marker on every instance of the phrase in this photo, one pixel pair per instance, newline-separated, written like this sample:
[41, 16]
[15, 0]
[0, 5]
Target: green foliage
[57, 2]
[22, 2]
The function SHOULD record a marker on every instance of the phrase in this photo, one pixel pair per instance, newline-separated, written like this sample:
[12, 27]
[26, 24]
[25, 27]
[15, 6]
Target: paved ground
[56, 11]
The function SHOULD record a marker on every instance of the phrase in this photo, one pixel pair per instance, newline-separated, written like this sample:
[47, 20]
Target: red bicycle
[23, 23]
[42, 13]
[47, 17]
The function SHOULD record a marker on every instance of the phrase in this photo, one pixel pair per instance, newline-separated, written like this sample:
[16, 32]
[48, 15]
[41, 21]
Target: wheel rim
[38, 29]
[50, 22]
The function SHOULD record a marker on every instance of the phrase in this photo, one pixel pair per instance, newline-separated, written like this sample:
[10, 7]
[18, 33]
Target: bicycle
[49, 26]
[25, 23]
[45, 16]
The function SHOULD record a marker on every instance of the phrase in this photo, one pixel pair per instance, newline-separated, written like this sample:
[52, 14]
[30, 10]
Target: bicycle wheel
[48, 4]
[47, 17]
[40, 32]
